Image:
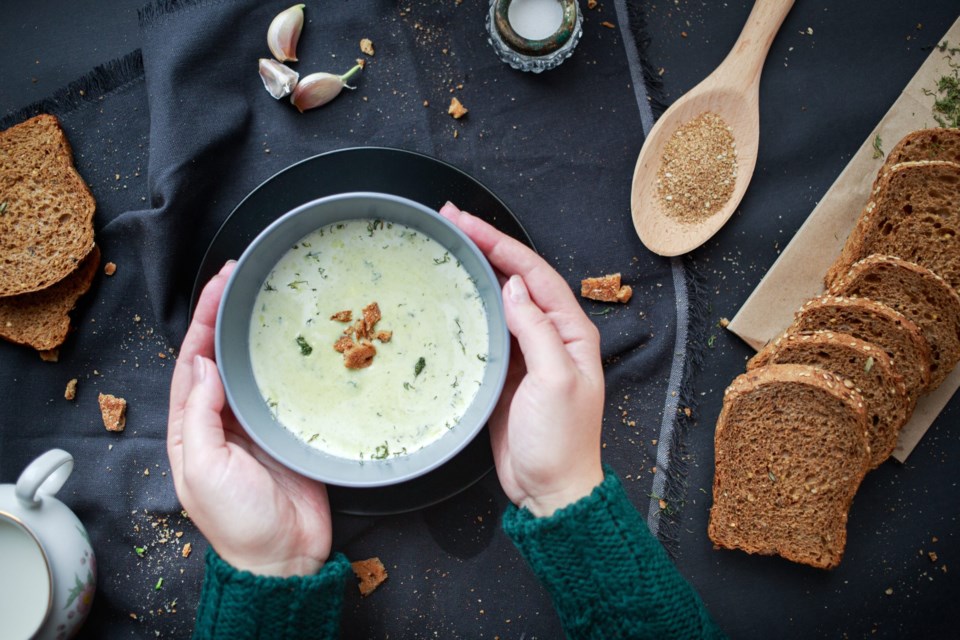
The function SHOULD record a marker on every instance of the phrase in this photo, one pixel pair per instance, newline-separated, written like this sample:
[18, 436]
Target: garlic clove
[284, 32]
[278, 79]
[317, 89]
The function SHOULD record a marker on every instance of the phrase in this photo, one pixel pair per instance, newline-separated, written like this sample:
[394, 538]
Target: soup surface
[430, 342]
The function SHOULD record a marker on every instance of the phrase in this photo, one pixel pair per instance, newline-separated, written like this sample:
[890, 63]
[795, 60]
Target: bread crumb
[187, 549]
[113, 410]
[456, 109]
[591, 4]
[355, 345]
[366, 45]
[608, 24]
[359, 356]
[71, 391]
[724, 323]
[50, 355]
[359, 329]
[344, 343]
[371, 316]
[606, 289]
[110, 268]
[371, 573]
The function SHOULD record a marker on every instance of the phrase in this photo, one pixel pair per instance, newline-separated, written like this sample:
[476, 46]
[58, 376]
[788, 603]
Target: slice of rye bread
[791, 451]
[917, 293]
[46, 227]
[924, 144]
[914, 214]
[863, 366]
[41, 319]
[877, 323]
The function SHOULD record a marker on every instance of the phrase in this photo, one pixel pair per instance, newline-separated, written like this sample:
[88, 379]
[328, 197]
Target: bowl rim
[496, 320]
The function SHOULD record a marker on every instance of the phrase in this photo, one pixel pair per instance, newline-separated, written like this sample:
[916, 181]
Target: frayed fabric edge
[91, 87]
[157, 11]
[640, 35]
[669, 490]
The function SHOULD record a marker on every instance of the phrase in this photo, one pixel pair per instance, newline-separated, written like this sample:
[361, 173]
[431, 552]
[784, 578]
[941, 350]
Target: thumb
[202, 420]
[543, 349]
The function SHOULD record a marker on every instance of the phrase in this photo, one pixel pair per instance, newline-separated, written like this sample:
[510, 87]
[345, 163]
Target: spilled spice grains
[698, 169]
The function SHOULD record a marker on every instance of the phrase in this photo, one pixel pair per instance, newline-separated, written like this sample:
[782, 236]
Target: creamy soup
[430, 354]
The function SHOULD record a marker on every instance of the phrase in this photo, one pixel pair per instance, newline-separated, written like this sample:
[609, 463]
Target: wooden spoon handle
[743, 64]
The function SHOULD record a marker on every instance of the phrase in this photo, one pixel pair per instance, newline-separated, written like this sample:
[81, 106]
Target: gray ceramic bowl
[233, 332]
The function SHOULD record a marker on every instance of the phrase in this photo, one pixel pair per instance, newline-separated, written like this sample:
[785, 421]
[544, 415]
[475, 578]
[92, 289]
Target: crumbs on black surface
[160, 550]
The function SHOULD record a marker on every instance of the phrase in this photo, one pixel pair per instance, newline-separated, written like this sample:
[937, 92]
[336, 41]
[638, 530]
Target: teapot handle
[45, 475]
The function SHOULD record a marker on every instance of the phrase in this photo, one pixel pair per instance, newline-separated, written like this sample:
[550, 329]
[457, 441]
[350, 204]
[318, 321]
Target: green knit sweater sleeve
[239, 605]
[607, 575]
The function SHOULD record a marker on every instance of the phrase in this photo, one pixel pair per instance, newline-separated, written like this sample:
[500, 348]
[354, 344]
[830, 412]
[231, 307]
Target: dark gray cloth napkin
[172, 137]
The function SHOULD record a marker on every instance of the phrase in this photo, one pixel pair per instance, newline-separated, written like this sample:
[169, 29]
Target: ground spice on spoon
[698, 169]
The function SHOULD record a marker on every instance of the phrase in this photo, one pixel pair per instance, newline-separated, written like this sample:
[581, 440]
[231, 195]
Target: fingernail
[199, 369]
[449, 209]
[518, 289]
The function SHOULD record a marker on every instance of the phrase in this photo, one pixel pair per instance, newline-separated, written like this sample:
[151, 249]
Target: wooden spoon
[732, 92]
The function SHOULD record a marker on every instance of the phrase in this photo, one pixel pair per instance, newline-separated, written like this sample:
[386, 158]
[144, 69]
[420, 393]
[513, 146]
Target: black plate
[403, 173]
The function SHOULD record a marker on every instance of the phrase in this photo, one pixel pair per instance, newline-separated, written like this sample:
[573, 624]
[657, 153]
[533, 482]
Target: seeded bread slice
[914, 214]
[40, 319]
[791, 451]
[863, 366]
[46, 223]
[925, 144]
[877, 323]
[917, 293]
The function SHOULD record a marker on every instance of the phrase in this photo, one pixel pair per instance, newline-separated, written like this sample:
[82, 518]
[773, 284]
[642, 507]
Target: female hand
[257, 514]
[545, 431]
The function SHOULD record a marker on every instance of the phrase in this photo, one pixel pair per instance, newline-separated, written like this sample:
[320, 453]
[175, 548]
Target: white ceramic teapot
[48, 572]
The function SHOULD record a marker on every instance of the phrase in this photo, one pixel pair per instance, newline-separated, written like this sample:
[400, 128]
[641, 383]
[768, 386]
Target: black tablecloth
[170, 138]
